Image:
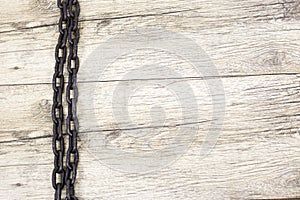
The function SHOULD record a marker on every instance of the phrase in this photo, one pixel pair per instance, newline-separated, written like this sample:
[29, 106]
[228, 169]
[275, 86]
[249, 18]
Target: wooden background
[255, 46]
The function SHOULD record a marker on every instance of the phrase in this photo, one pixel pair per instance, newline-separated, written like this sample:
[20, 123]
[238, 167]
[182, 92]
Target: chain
[58, 174]
[68, 36]
[72, 96]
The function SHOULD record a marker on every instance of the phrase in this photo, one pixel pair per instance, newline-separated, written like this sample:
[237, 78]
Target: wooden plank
[259, 104]
[254, 167]
[253, 42]
[24, 14]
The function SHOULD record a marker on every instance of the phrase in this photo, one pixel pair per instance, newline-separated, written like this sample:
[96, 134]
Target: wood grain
[255, 47]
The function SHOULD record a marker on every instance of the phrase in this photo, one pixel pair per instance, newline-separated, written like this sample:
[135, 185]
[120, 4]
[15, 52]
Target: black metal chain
[58, 174]
[72, 96]
[68, 36]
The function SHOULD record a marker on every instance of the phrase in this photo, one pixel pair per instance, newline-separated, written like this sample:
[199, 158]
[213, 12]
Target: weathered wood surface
[255, 46]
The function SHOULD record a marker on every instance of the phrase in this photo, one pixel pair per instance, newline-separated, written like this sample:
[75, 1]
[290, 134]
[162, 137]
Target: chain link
[71, 97]
[68, 38]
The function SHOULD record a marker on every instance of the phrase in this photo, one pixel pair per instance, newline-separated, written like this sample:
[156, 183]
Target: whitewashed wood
[266, 104]
[234, 170]
[269, 40]
[254, 45]
[14, 18]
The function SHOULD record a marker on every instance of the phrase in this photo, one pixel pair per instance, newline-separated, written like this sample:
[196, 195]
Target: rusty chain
[67, 43]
